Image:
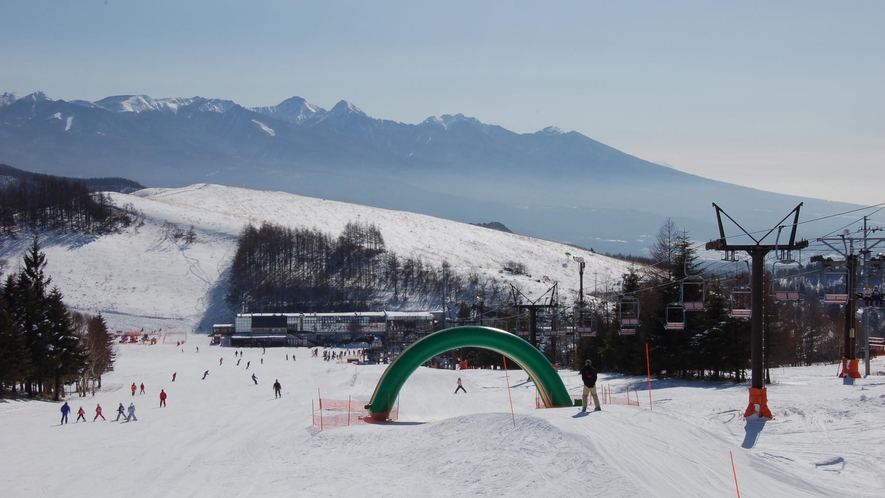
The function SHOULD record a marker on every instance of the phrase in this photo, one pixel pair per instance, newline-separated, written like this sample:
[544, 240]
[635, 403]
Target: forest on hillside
[278, 269]
[35, 202]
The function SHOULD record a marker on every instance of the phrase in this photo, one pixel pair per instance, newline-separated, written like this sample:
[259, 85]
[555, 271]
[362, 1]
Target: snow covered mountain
[550, 184]
[142, 277]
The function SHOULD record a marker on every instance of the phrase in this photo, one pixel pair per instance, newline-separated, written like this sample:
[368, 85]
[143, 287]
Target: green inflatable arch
[550, 385]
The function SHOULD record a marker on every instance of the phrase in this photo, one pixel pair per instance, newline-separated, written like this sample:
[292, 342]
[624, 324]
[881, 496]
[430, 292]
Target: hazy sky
[787, 96]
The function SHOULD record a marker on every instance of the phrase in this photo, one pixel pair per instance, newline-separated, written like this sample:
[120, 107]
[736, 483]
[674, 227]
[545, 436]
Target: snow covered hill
[143, 278]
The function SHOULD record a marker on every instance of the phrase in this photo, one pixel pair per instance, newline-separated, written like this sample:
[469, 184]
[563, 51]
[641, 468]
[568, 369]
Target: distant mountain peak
[552, 130]
[293, 110]
[143, 103]
[345, 108]
[8, 98]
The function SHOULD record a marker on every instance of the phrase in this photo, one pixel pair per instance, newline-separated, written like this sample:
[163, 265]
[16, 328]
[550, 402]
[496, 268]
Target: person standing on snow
[162, 398]
[142, 388]
[131, 413]
[97, 413]
[276, 389]
[255, 379]
[65, 410]
[205, 374]
[588, 375]
[81, 413]
[460, 387]
[134, 388]
[120, 410]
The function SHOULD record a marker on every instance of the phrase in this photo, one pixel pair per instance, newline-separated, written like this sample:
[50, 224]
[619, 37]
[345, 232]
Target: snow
[69, 121]
[143, 278]
[267, 129]
[225, 436]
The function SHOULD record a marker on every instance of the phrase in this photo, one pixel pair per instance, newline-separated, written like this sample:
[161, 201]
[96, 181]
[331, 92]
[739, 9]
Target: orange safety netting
[334, 413]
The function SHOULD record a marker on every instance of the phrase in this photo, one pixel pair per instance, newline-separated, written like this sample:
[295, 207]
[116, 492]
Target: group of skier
[81, 413]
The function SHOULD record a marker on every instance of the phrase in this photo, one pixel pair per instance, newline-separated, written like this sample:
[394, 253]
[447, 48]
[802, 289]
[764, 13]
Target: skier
[276, 389]
[97, 413]
[460, 387]
[247, 364]
[120, 410]
[131, 413]
[142, 388]
[238, 361]
[173, 376]
[262, 361]
[162, 398]
[220, 361]
[65, 410]
[81, 413]
[255, 379]
[205, 374]
[134, 388]
[588, 375]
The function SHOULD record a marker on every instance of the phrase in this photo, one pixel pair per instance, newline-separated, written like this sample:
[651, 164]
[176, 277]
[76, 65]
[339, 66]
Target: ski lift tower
[757, 252]
[533, 307]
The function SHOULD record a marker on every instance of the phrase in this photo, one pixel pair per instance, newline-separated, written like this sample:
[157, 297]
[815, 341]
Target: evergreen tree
[14, 358]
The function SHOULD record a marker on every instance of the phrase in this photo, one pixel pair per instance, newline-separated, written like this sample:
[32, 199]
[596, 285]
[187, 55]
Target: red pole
[348, 410]
[507, 380]
[648, 368]
[735, 475]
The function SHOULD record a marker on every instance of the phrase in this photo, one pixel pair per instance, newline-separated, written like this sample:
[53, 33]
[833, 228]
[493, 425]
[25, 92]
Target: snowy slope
[143, 278]
[225, 436]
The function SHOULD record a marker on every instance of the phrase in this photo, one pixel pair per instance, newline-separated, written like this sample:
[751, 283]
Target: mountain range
[550, 184]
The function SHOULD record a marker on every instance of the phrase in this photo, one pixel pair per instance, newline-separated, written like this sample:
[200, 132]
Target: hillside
[142, 277]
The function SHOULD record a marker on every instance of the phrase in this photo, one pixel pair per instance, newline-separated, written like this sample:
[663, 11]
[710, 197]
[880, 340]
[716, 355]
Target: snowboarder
[255, 379]
[162, 398]
[65, 410]
[205, 374]
[588, 375]
[97, 413]
[276, 389]
[142, 388]
[134, 388]
[120, 410]
[460, 387]
[81, 413]
[131, 415]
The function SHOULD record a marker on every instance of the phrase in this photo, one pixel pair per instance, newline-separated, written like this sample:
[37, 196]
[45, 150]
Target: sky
[782, 96]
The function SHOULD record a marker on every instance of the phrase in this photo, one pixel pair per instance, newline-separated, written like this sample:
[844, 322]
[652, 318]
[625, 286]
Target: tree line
[43, 346]
[712, 343]
[279, 269]
[31, 201]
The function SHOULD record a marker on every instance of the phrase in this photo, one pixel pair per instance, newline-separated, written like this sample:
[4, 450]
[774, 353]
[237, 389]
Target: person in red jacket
[81, 413]
[97, 413]
[162, 397]
[142, 388]
[134, 388]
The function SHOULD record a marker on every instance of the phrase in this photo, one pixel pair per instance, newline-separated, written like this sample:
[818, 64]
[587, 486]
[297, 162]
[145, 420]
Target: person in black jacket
[588, 375]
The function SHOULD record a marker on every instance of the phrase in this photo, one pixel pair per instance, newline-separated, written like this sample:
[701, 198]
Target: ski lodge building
[392, 328]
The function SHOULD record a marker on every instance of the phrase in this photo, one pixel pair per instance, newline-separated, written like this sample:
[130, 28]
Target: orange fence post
[648, 368]
[735, 475]
[507, 380]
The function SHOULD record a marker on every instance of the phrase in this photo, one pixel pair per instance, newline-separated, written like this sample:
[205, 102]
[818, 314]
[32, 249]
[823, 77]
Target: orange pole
[507, 380]
[735, 475]
[648, 368]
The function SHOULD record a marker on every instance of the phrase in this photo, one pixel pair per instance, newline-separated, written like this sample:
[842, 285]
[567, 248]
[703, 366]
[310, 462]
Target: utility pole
[757, 252]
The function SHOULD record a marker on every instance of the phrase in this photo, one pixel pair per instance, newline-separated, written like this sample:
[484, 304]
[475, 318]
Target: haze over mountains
[550, 184]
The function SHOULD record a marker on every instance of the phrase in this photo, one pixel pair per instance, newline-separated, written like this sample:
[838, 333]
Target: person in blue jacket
[120, 412]
[131, 413]
[65, 410]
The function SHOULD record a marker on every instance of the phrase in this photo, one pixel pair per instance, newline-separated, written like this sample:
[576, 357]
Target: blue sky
[784, 96]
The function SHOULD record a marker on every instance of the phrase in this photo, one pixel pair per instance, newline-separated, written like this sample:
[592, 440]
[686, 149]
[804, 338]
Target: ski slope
[227, 437]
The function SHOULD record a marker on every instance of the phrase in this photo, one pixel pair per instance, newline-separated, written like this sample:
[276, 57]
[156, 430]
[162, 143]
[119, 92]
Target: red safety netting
[334, 413]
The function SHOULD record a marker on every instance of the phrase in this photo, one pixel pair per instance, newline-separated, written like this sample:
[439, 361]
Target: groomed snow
[225, 436]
